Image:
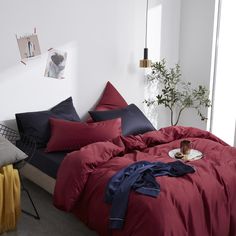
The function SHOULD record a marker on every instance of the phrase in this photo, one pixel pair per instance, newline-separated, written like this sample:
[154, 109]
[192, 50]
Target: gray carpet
[52, 222]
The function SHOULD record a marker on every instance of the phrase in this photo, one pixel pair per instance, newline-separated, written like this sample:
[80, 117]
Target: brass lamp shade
[145, 63]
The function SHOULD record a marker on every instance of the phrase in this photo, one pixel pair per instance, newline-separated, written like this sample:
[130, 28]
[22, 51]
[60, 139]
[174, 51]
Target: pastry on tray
[179, 155]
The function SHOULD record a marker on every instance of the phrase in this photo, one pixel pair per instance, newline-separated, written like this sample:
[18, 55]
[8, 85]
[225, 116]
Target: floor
[52, 222]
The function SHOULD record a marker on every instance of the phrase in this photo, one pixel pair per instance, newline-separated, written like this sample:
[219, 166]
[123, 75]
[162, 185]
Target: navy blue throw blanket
[140, 177]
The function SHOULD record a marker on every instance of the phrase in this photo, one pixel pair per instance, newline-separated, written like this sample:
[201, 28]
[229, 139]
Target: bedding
[110, 99]
[69, 135]
[36, 124]
[202, 203]
[132, 119]
[139, 177]
[48, 163]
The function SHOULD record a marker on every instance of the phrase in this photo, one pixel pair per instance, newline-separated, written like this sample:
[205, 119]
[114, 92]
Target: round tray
[192, 156]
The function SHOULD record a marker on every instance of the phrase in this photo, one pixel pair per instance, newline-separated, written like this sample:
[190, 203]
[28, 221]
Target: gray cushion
[9, 153]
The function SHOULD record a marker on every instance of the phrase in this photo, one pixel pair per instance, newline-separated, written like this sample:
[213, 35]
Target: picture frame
[55, 64]
[28, 46]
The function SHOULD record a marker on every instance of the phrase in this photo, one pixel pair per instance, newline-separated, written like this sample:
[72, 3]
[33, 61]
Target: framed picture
[55, 64]
[28, 46]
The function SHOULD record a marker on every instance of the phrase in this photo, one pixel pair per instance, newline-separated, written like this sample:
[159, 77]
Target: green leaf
[174, 93]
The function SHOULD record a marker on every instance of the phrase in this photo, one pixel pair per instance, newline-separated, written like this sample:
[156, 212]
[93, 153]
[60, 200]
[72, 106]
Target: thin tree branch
[171, 117]
[179, 115]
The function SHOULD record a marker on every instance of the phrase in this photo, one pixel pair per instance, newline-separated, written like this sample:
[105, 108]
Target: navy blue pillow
[36, 124]
[133, 121]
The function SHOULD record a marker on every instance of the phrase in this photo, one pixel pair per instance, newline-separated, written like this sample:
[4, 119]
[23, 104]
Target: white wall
[104, 41]
[196, 34]
[163, 30]
[163, 42]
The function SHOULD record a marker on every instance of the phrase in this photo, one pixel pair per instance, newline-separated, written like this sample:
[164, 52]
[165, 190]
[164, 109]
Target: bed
[42, 168]
[202, 203]
[119, 135]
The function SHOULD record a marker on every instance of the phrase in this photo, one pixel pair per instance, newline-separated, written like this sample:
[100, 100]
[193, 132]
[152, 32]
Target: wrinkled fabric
[9, 198]
[202, 203]
[140, 177]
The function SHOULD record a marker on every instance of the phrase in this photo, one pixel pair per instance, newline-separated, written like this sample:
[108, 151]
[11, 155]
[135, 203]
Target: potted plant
[176, 94]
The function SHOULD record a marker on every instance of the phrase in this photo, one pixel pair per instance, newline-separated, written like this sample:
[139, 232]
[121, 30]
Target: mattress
[38, 177]
[42, 167]
[47, 162]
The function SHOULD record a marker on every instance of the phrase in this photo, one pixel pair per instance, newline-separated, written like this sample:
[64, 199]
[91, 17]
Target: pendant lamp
[144, 63]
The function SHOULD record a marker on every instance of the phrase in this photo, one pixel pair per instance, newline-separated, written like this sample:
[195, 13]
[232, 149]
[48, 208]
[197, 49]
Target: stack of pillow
[60, 128]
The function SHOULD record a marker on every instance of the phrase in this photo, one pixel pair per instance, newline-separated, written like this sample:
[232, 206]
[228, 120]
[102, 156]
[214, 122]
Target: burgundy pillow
[70, 135]
[111, 99]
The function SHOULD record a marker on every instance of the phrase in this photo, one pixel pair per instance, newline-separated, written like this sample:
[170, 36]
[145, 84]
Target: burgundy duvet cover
[200, 204]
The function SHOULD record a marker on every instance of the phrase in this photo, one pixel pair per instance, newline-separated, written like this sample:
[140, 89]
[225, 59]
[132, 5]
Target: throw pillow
[111, 99]
[69, 135]
[133, 120]
[9, 153]
[36, 124]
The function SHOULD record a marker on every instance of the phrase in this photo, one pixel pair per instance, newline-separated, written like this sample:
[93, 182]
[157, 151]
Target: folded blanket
[9, 198]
